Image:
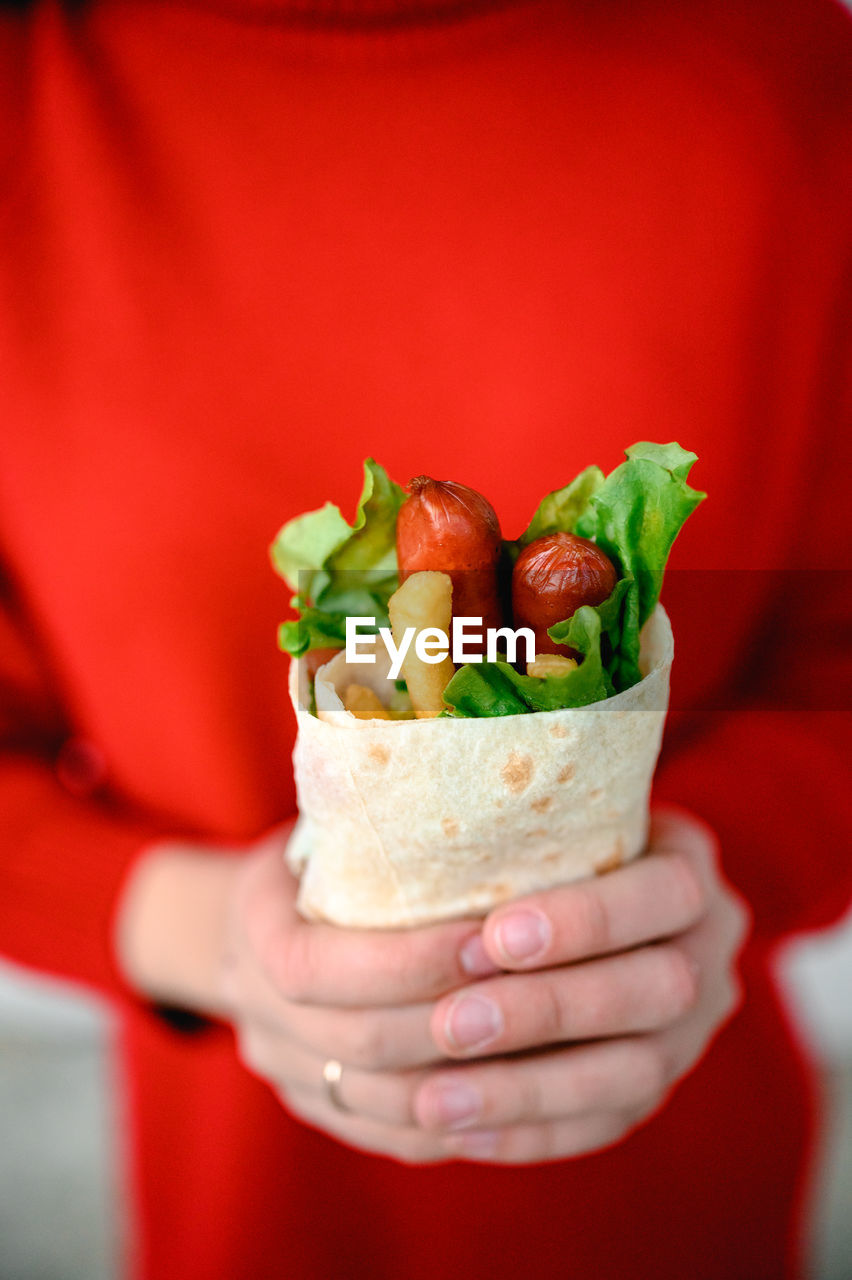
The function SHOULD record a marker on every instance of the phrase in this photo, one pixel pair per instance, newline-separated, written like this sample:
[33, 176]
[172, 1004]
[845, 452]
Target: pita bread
[408, 822]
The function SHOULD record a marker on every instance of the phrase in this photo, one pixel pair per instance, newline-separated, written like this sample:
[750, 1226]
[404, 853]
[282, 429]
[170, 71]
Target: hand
[299, 994]
[627, 979]
[203, 929]
[637, 966]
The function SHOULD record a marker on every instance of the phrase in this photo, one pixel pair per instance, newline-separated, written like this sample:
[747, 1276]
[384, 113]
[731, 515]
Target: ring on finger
[332, 1075]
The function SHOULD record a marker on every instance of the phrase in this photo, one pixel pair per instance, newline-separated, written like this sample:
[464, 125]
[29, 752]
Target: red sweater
[243, 245]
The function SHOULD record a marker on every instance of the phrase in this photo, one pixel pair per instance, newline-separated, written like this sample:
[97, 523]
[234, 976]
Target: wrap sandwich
[524, 774]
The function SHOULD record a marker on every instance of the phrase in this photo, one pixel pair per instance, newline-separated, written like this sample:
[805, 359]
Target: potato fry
[364, 703]
[551, 664]
[423, 601]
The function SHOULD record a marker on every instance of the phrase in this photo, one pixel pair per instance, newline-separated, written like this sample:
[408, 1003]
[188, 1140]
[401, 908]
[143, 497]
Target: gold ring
[332, 1074]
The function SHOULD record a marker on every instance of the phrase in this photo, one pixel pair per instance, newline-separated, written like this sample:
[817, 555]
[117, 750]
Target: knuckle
[689, 886]
[679, 981]
[604, 1077]
[290, 967]
[431, 962]
[550, 1010]
[591, 929]
[667, 1067]
[648, 1075]
[526, 1096]
[398, 1101]
[365, 1042]
[742, 920]
[419, 969]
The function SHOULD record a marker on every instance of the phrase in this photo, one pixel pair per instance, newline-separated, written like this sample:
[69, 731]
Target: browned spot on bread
[558, 731]
[517, 772]
[612, 861]
[596, 793]
[542, 804]
[609, 864]
[379, 753]
[499, 892]
[566, 773]
[450, 827]
[538, 832]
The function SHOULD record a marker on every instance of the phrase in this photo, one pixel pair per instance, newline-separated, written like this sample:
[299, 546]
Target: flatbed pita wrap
[407, 822]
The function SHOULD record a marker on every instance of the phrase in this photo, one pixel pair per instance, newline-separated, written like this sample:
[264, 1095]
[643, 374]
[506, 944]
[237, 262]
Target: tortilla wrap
[412, 821]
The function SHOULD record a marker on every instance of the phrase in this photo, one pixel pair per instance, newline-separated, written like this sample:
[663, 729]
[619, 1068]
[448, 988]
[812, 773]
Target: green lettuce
[634, 515]
[339, 570]
[315, 629]
[560, 510]
[638, 512]
[495, 688]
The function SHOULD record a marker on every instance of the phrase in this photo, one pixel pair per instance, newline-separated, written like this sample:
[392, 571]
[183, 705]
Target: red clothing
[243, 246]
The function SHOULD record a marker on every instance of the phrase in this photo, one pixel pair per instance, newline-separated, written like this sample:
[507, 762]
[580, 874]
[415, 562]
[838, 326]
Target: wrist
[170, 925]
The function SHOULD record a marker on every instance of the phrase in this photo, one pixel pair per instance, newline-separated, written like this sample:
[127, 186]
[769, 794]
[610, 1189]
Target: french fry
[423, 601]
[364, 703]
[551, 664]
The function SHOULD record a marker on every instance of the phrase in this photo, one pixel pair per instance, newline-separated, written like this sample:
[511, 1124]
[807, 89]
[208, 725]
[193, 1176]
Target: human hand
[631, 976]
[302, 993]
[639, 969]
[200, 928]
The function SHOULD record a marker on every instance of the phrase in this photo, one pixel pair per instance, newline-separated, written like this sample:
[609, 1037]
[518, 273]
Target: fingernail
[475, 1145]
[475, 960]
[453, 1104]
[472, 1021]
[523, 935]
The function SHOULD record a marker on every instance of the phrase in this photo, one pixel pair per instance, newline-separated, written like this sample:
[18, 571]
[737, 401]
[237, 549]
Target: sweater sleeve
[66, 845]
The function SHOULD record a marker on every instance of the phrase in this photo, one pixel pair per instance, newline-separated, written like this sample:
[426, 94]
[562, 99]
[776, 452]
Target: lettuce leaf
[314, 629]
[634, 515]
[560, 510]
[339, 569]
[495, 688]
[483, 689]
[598, 632]
[638, 512]
[303, 545]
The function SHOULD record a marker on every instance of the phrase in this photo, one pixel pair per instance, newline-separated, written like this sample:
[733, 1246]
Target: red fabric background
[240, 252]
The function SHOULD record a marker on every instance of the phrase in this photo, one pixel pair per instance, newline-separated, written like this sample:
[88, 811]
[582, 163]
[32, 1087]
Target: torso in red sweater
[244, 245]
